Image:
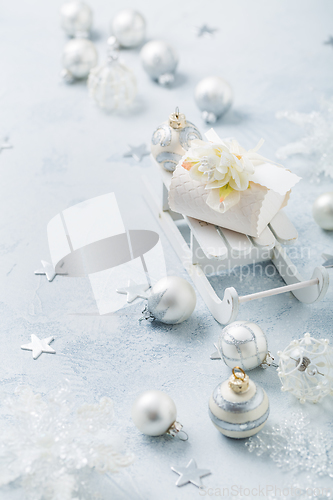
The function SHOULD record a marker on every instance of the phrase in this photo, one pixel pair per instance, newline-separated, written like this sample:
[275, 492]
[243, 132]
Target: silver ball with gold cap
[238, 407]
[172, 139]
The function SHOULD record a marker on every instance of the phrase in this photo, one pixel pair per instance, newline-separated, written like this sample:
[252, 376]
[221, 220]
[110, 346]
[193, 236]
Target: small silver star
[328, 260]
[5, 144]
[133, 291]
[37, 346]
[137, 152]
[47, 270]
[190, 474]
[329, 41]
[205, 30]
[215, 355]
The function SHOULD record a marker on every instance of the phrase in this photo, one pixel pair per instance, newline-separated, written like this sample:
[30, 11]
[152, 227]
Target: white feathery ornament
[306, 369]
[51, 447]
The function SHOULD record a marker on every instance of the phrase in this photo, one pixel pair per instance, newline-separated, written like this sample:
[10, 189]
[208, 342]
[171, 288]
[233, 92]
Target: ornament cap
[239, 382]
[177, 120]
[176, 429]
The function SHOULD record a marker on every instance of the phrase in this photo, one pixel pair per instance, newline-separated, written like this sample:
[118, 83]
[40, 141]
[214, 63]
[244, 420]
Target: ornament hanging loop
[176, 429]
[236, 375]
[177, 120]
[182, 433]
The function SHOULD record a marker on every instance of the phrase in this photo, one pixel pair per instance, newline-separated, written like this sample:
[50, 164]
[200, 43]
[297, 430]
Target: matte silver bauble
[154, 413]
[172, 139]
[160, 61]
[244, 344]
[323, 211]
[172, 301]
[76, 17]
[112, 86]
[213, 96]
[79, 57]
[129, 28]
[238, 408]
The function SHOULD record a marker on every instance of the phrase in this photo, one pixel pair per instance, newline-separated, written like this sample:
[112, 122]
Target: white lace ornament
[112, 85]
[51, 447]
[306, 369]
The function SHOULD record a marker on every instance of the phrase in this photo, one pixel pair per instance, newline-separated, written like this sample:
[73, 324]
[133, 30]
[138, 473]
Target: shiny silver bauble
[172, 301]
[79, 57]
[129, 28]
[153, 413]
[160, 61]
[112, 86]
[213, 96]
[76, 17]
[322, 211]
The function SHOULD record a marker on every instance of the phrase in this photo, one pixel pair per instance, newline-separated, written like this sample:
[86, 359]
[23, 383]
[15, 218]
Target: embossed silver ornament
[160, 61]
[172, 139]
[213, 96]
[322, 211]
[76, 17]
[172, 301]
[112, 85]
[79, 57]
[129, 28]
[238, 407]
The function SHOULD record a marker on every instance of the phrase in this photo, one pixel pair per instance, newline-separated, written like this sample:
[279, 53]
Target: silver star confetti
[133, 291]
[137, 152]
[328, 260]
[37, 346]
[47, 270]
[329, 41]
[190, 474]
[5, 144]
[205, 30]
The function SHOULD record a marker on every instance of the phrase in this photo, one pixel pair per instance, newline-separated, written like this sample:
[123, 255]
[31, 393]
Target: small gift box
[221, 183]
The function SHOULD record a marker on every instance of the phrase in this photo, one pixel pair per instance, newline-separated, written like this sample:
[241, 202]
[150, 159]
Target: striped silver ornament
[238, 413]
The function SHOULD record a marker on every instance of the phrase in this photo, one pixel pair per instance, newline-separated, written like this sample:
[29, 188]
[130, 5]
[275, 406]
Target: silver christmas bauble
[76, 17]
[244, 344]
[112, 86]
[153, 413]
[79, 57]
[213, 96]
[322, 211]
[160, 61]
[172, 301]
[129, 28]
[172, 139]
[238, 407]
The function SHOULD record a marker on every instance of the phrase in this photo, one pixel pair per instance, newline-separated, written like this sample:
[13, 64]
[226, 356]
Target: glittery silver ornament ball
[243, 344]
[112, 86]
[76, 17]
[79, 57]
[172, 301]
[160, 61]
[153, 413]
[213, 96]
[129, 28]
[322, 211]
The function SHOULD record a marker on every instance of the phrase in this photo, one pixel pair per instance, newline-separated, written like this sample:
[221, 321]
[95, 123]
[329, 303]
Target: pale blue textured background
[66, 151]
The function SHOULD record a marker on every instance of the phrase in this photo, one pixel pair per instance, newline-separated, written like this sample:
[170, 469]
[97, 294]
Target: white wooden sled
[214, 249]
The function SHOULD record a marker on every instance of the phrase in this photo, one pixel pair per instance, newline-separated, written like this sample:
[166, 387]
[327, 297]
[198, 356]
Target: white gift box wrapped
[268, 192]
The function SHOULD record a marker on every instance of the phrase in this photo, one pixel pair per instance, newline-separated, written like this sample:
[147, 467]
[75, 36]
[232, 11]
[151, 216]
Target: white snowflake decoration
[50, 447]
[306, 368]
[295, 445]
[318, 139]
